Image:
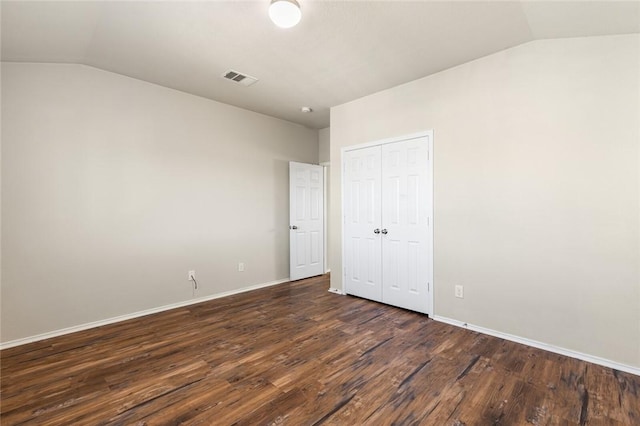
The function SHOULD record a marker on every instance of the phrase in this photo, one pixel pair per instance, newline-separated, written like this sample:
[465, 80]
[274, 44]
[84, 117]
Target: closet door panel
[405, 217]
[362, 208]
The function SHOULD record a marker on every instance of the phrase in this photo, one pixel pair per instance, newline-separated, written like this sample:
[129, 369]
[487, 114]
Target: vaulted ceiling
[339, 52]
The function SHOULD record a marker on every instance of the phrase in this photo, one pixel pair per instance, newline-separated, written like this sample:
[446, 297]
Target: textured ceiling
[340, 51]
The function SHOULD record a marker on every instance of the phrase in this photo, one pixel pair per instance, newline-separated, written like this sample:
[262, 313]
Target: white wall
[113, 188]
[537, 202]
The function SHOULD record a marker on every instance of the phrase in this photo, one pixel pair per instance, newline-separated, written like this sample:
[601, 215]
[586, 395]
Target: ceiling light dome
[285, 13]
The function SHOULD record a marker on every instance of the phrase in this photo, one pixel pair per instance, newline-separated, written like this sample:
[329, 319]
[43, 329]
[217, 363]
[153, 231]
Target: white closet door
[306, 216]
[362, 207]
[406, 244]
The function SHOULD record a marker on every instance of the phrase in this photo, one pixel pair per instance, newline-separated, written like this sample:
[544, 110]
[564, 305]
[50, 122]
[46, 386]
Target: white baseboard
[544, 346]
[86, 326]
[336, 291]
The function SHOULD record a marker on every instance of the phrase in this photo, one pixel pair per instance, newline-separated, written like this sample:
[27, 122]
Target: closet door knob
[384, 231]
[293, 227]
[376, 231]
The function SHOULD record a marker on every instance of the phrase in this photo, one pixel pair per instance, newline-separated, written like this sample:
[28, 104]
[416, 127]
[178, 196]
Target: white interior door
[362, 223]
[306, 220]
[406, 207]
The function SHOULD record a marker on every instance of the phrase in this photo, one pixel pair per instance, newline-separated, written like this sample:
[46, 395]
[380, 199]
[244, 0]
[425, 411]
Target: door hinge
[428, 286]
[344, 271]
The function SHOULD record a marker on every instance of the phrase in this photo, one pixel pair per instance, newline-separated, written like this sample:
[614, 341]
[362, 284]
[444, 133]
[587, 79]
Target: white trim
[342, 270]
[325, 164]
[325, 230]
[432, 225]
[540, 345]
[424, 134]
[81, 327]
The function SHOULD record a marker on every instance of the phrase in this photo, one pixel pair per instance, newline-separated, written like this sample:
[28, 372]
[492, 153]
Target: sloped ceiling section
[339, 52]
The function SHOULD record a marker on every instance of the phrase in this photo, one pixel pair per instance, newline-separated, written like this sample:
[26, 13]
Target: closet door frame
[429, 135]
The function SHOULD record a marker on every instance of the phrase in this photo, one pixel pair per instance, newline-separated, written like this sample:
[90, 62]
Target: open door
[306, 220]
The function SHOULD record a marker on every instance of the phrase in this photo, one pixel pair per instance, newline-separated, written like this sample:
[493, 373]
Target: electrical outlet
[240, 266]
[460, 291]
[191, 275]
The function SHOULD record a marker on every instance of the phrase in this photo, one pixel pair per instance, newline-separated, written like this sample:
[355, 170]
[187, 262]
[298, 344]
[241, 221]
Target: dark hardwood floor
[296, 354]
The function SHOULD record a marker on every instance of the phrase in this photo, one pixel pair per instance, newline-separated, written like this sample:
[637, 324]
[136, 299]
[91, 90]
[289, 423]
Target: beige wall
[323, 157]
[113, 188]
[537, 208]
[323, 145]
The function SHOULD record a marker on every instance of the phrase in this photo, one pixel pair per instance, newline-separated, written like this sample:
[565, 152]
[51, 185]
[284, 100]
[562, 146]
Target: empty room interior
[320, 212]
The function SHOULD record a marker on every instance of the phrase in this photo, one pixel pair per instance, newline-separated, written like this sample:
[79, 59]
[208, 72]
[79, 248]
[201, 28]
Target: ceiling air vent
[235, 76]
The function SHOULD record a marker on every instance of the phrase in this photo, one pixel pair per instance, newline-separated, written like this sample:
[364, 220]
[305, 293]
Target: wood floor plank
[295, 354]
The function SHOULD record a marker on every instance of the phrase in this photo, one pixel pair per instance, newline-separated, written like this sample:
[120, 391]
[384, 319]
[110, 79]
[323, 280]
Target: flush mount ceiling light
[285, 13]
